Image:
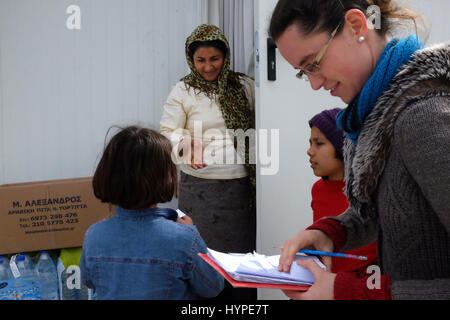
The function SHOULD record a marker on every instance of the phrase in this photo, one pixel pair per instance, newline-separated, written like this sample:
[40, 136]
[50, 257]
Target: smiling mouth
[333, 90]
[210, 76]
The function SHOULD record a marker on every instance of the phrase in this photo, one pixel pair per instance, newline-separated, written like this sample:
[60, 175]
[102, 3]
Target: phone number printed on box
[49, 220]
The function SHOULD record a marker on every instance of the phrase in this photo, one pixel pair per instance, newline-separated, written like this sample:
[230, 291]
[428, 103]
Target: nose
[209, 67]
[309, 152]
[316, 80]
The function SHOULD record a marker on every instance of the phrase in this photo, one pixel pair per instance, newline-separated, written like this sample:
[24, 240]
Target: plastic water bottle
[25, 266]
[70, 287]
[45, 271]
[23, 285]
[5, 272]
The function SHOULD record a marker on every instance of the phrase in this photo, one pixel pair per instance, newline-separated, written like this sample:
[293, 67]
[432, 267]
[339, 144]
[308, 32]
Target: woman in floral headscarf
[217, 180]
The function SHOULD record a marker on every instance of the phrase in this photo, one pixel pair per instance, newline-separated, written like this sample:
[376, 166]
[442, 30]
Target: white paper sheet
[254, 267]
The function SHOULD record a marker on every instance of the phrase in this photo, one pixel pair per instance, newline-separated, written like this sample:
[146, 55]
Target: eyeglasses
[314, 67]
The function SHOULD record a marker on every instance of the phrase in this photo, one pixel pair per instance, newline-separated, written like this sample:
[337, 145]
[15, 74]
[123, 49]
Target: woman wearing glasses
[397, 151]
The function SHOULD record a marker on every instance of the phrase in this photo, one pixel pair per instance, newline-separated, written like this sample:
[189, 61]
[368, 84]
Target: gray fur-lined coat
[398, 179]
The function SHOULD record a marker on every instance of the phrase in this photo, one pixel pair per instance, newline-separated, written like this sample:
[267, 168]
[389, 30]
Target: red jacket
[328, 199]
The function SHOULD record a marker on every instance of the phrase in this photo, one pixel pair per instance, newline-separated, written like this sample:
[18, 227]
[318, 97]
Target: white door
[286, 105]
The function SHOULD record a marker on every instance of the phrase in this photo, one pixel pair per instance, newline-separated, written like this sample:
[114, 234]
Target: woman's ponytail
[395, 15]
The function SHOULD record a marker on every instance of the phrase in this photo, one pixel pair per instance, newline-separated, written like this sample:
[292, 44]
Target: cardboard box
[48, 215]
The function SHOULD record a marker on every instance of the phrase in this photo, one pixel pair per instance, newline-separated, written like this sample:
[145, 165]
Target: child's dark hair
[312, 16]
[220, 45]
[136, 170]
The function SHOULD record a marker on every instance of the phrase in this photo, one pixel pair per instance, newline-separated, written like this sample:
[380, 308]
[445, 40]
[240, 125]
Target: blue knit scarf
[396, 54]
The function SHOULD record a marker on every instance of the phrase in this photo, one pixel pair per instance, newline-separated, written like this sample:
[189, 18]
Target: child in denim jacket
[143, 252]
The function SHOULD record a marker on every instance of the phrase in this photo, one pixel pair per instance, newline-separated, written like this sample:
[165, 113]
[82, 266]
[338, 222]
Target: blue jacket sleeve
[205, 281]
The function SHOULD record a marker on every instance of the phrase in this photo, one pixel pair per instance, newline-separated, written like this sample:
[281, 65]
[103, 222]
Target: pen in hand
[329, 254]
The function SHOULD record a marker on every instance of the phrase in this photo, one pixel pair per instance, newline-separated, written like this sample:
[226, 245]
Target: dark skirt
[223, 213]
[221, 210]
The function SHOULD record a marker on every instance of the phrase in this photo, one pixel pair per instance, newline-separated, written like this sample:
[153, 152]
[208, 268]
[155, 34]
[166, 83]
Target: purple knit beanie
[326, 122]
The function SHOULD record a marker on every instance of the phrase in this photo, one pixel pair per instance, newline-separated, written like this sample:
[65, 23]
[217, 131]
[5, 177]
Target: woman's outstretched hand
[193, 150]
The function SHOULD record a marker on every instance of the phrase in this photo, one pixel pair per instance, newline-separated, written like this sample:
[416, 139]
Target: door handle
[271, 60]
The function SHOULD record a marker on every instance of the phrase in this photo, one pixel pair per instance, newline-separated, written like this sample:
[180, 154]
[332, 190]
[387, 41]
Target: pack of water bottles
[22, 279]
[37, 277]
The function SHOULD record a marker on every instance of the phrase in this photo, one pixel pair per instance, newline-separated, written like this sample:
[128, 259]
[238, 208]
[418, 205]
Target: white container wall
[62, 88]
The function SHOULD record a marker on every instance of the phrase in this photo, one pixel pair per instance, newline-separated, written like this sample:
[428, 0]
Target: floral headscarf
[233, 101]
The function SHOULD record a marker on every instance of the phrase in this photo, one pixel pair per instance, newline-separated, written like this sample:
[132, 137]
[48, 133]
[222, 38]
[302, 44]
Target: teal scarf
[396, 54]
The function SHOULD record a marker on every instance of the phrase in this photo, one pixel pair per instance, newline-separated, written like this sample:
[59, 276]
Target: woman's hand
[323, 287]
[305, 239]
[193, 150]
[185, 220]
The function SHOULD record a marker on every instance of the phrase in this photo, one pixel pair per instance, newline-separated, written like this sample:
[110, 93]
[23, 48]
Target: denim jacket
[146, 254]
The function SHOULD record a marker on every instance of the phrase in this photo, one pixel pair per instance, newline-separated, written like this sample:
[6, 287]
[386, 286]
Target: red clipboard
[240, 284]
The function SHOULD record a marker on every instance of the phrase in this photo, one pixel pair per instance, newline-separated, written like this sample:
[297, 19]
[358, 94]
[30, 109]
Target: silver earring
[361, 39]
